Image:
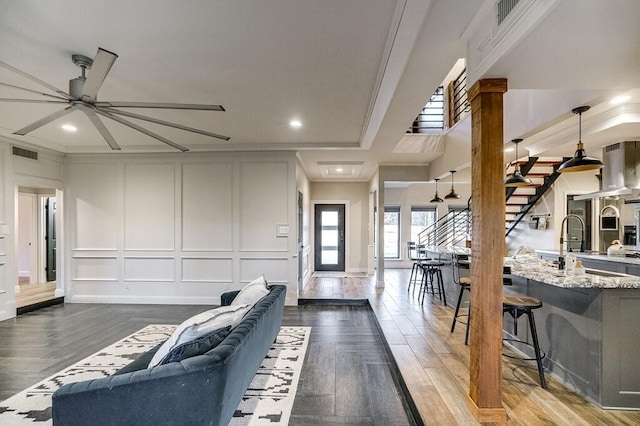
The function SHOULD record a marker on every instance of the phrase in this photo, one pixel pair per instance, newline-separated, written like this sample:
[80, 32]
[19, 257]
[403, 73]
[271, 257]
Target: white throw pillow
[199, 325]
[252, 292]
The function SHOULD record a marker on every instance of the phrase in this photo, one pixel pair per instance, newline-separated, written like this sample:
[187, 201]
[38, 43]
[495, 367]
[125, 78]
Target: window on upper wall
[391, 232]
[421, 219]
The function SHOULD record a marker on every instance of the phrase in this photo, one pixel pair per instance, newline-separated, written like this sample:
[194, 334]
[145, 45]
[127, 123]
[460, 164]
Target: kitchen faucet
[561, 258]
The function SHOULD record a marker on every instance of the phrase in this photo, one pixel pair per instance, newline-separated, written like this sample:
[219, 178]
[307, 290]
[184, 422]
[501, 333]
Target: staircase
[520, 200]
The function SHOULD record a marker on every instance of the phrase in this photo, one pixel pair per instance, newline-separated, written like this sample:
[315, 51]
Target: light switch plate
[282, 230]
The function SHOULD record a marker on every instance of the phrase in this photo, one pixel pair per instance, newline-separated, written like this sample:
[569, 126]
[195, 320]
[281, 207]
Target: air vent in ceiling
[21, 152]
[504, 7]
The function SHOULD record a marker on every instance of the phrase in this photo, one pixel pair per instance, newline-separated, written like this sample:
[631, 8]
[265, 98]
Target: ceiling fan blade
[33, 101]
[102, 63]
[45, 120]
[102, 128]
[34, 79]
[141, 129]
[199, 107]
[166, 123]
[24, 89]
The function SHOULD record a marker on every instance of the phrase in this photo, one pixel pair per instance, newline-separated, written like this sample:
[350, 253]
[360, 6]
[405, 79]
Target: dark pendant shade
[517, 179]
[580, 162]
[453, 194]
[436, 198]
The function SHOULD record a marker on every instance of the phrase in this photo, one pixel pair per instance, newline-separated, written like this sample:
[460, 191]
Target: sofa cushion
[199, 325]
[252, 292]
[199, 346]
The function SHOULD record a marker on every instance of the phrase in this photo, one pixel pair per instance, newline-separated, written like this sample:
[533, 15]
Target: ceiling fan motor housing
[75, 87]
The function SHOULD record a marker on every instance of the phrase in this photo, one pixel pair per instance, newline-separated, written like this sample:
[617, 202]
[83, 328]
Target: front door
[329, 237]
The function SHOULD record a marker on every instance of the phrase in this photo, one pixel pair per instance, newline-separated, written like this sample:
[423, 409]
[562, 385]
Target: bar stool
[417, 254]
[461, 262]
[517, 305]
[506, 280]
[431, 271]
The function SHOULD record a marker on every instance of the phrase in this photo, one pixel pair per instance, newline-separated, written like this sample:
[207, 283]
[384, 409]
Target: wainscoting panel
[264, 203]
[156, 269]
[207, 207]
[274, 269]
[149, 206]
[207, 270]
[95, 212]
[94, 268]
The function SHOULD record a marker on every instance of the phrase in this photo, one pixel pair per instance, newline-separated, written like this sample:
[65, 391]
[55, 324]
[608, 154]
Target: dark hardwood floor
[346, 377]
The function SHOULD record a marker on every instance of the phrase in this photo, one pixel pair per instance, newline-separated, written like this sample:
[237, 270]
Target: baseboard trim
[39, 305]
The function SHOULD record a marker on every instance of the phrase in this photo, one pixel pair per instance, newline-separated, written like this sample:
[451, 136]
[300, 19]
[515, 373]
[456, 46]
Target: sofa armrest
[227, 298]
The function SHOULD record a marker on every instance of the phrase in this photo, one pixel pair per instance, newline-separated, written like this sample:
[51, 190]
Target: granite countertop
[594, 256]
[448, 250]
[532, 267]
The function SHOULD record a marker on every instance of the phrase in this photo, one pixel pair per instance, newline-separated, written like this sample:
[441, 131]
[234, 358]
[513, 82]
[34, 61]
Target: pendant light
[580, 162]
[436, 198]
[453, 194]
[516, 179]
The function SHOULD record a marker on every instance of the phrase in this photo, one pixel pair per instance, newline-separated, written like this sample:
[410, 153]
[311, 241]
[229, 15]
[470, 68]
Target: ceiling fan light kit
[83, 96]
[580, 162]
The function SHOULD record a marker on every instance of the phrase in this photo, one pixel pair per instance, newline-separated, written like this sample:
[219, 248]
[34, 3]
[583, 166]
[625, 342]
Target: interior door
[329, 237]
[50, 237]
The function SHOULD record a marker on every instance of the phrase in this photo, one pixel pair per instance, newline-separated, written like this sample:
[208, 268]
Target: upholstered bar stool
[517, 305]
[431, 272]
[461, 262]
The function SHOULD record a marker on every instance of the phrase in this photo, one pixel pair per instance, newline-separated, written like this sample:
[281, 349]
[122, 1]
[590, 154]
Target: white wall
[304, 186]
[356, 198]
[26, 210]
[178, 228]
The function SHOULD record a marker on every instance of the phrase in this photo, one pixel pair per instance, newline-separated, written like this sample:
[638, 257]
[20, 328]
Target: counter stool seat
[431, 272]
[517, 305]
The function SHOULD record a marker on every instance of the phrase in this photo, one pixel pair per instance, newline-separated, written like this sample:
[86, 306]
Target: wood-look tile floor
[434, 363]
[346, 378]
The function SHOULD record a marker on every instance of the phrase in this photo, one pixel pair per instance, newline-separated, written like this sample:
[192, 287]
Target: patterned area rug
[268, 400]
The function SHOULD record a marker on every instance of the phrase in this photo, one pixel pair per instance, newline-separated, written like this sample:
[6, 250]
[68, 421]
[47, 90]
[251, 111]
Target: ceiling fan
[83, 96]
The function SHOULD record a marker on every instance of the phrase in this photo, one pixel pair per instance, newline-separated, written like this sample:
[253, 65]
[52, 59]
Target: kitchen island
[589, 327]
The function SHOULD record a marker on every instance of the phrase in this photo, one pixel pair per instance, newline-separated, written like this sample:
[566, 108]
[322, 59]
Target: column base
[487, 415]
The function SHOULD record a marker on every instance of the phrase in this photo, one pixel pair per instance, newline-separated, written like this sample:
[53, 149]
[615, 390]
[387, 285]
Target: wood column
[488, 248]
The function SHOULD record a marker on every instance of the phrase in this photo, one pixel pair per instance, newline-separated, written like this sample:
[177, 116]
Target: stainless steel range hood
[620, 174]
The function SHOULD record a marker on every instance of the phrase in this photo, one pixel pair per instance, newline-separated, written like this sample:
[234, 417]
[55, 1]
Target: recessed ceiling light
[295, 123]
[619, 99]
[339, 170]
[69, 128]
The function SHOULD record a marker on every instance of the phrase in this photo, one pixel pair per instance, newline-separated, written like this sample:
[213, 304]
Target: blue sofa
[202, 390]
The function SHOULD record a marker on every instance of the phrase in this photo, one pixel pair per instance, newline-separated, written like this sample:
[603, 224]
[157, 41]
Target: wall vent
[504, 8]
[21, 152]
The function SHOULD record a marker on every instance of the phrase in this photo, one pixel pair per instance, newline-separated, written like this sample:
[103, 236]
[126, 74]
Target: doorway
[329, 237]
[36, 254]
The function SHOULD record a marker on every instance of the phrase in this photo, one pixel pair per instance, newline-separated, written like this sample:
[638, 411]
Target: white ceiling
[355, 73]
